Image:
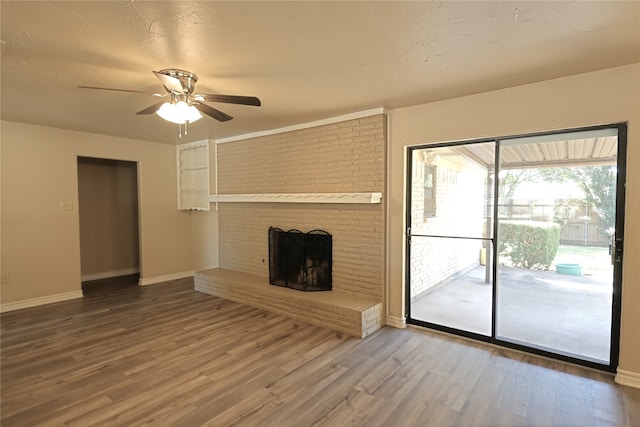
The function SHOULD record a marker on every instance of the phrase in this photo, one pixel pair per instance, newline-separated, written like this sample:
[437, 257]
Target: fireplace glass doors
[300, 260]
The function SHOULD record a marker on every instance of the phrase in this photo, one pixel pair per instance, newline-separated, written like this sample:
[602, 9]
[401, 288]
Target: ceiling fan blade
[212, 112]
[122, 90]
[151, 109]
[171, 83]
[230, 99]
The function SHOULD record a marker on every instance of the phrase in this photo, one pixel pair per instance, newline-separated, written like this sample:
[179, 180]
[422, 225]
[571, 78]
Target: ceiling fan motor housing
[187, 79]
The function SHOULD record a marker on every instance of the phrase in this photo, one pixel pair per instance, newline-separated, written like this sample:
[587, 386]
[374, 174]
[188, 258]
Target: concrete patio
[565, 314]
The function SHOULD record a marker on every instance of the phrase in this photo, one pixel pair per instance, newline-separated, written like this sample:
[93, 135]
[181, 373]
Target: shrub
[529, 244]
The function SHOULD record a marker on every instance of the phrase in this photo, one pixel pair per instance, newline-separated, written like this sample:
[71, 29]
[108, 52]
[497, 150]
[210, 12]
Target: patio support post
[488, 214]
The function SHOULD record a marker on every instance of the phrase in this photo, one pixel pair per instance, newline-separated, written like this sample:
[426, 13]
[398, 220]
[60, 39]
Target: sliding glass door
[531, 259]
[451, 235]
[555, 275]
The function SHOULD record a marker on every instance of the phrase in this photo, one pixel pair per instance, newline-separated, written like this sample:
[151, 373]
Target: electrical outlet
[66, 205]
[6, 279]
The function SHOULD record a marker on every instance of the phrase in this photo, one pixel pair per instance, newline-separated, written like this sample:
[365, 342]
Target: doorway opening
[109, 224]
[518, 241]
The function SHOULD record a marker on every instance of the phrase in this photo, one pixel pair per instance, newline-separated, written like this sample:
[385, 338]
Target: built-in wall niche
[193, 176]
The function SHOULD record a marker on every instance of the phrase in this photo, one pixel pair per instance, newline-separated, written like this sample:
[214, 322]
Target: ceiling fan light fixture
[179, 112]
[185, 106]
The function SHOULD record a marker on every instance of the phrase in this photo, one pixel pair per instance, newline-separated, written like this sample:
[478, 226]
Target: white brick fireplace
[331, 162]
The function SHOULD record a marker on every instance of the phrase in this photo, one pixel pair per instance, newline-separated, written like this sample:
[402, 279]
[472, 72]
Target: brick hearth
[354, 315]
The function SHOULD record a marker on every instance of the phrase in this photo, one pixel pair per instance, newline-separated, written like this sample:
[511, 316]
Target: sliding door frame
[618, 255]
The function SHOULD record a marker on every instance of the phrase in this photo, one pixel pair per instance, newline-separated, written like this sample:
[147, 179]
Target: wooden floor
[169, 356]
[109, 284]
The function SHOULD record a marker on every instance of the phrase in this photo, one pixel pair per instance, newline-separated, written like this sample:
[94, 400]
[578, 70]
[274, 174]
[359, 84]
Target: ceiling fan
[184, 105]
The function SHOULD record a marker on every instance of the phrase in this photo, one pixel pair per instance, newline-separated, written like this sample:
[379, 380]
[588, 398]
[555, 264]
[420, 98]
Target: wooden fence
[584, 228]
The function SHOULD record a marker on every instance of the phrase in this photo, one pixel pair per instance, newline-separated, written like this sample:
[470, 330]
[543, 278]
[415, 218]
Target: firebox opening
[300, 260]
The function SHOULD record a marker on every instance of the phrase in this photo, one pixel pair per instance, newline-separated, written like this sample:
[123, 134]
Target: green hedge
[529, 244]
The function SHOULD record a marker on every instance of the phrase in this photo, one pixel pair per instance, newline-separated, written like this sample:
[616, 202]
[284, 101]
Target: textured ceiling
[306, 61]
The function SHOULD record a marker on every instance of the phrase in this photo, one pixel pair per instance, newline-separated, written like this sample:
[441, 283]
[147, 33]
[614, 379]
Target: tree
[511, 179]
[598, 184]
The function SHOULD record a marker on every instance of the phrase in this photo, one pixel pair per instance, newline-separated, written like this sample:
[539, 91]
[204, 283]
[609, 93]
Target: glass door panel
[451, 236]
[555, 222]
[450, 283]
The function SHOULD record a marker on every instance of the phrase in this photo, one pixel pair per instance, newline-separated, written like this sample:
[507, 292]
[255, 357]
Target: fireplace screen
[300, 260]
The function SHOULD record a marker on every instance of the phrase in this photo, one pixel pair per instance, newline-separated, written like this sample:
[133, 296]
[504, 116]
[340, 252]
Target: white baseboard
[397, 322]
[631, 379]
[157, 279]
[108, 274]
[34, 302]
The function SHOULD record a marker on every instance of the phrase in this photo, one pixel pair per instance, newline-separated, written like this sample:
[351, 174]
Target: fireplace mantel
[368, 198]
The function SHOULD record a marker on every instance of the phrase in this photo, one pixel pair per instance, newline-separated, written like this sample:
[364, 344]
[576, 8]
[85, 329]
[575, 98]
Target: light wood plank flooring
[169, 356]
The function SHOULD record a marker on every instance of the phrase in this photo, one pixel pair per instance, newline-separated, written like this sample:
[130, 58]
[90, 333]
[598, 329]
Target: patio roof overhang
[532, 153]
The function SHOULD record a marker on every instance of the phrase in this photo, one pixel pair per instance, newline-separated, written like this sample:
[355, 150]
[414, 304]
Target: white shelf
[193, 175]
[362, 198]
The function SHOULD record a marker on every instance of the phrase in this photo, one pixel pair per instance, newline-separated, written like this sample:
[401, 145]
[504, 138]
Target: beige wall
[41, 242]
[108, 214]
[345, 157]
[607, 96]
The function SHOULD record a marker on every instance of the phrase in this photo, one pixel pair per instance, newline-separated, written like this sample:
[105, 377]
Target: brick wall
[459, 212]
[342, 158]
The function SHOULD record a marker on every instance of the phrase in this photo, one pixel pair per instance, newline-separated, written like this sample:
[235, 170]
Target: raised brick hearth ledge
[354, 315]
